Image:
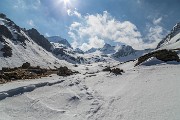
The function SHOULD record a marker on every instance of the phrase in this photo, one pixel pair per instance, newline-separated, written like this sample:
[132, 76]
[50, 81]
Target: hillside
[16, 48]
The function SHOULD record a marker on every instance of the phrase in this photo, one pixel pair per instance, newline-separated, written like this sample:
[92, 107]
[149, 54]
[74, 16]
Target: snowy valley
[146, 89]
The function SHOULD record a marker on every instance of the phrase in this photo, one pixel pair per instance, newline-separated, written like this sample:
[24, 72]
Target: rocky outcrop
[5, 32]
[64, 71]
[39, 39]
[163, 55]
[7, 51]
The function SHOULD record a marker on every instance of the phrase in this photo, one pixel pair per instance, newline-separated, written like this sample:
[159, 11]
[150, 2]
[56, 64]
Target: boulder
[64, 71]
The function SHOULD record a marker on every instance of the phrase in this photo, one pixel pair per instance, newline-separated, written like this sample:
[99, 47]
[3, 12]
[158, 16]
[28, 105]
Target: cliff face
[39, 39]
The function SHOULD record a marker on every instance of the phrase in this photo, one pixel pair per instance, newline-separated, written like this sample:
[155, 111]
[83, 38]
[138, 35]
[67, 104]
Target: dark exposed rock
[5, 31]
[26, 65]
[107, 69]
[7, 51]
[21, 38]
[163, 55]
[2, 39]
[117, 71]
[2, 15]
[18, 73]
[64, 71]
[39, 39]
[74, 98]
[59, 51]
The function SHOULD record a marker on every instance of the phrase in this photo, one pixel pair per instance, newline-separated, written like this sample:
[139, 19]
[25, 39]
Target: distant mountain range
[18, 45]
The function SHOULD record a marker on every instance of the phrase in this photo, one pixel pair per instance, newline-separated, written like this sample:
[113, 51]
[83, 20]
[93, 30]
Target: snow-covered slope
[141, 93]
[23, 48]
[172, 40]
[58, 39]
[173, 43]
[63, 52]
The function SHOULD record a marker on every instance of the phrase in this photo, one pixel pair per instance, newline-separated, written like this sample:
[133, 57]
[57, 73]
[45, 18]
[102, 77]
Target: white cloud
[74, 44]
[97, 28]
[155, 35]
[31, 23]
[96, 42]
[75, 24]
[85, 47]
[74, 13]
[157, 21]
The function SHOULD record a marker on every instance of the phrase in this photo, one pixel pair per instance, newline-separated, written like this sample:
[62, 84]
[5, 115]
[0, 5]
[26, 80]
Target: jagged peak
[59, 39]
[174, 32]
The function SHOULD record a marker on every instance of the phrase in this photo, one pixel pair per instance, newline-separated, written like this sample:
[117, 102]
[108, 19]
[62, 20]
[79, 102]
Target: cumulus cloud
[94, 29]
[155, 33]
[94, 42]
[73, 13]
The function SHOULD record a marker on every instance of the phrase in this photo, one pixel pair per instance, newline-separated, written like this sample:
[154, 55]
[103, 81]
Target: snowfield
[141, 93]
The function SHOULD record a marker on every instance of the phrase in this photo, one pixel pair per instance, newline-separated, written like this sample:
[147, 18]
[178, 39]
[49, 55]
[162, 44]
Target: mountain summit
[172, 40]
[60, 40]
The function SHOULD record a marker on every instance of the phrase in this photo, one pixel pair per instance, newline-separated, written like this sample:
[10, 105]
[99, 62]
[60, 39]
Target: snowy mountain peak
[39, 39]
[124, 51]
[172, 39]
[176, 28]
[58, 39]
[108, 49]
[91, 50]
[77, 50]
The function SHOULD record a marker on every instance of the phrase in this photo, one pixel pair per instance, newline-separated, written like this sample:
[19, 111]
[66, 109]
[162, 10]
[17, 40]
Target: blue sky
[92, 23]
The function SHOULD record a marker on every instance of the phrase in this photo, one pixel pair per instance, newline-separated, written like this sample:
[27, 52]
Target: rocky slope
[63, 50]
[17, 47]
[172, 40]
[39, 39]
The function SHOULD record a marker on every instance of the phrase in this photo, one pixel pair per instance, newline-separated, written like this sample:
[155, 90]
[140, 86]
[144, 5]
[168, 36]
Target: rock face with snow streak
[17, 47]
[172, 38]
[124, 51]
[58, 39]
[108, 49]
[39, 39]
[63, 50]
